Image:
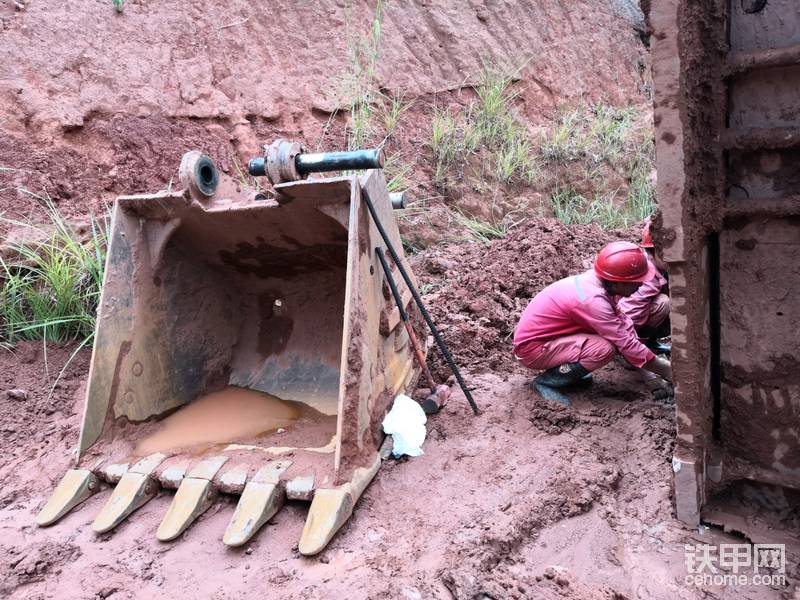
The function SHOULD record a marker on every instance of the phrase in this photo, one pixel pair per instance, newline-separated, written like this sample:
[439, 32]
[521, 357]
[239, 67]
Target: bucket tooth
[75, 487]
[194, 496]
[331, 508]
[133, 491]
[261, 499]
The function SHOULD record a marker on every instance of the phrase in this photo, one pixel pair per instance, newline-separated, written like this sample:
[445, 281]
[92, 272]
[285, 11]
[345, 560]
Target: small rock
[17, 394]
[248, 551]
[412, 593]
[280, 430]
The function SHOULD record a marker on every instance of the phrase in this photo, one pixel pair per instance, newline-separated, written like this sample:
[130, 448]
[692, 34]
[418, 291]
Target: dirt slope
[95, 103]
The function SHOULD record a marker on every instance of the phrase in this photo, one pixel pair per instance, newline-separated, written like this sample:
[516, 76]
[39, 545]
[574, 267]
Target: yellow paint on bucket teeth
[195, 494]
[331, 508]
[133, 491]
[261, 499]
[75, 487]
[258, 504]
[192, 499]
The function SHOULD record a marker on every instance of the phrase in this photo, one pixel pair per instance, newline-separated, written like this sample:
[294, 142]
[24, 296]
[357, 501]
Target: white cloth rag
[406, 424]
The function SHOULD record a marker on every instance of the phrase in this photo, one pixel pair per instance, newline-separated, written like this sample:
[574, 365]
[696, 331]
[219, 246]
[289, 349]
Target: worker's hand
[661, 367]
[660, 389]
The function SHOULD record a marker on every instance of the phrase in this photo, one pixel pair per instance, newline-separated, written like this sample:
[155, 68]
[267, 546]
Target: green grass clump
[590, 141]
[488, 126]
[641, 198]
[487, 231]
[50, 290]
[453, 143]
[570, 207]
[599, 132]
[397, 173]
[610, 130]
[391, 110]
[516, 160]
[567, 140]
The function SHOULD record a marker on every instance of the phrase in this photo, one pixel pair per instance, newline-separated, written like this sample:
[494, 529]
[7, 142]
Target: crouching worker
[573, 326]
[648, 307]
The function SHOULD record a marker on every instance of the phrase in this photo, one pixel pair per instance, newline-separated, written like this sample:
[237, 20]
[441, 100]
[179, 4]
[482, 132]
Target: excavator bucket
[245, 345]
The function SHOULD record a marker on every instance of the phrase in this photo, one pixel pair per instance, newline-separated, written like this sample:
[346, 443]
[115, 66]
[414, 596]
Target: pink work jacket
[579, 304]
[637, 307]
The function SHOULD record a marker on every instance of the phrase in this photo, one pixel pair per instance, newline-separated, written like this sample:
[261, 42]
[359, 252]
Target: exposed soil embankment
[96, 103]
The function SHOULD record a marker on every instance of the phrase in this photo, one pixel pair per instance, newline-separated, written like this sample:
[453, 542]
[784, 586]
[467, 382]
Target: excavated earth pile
[477, 291]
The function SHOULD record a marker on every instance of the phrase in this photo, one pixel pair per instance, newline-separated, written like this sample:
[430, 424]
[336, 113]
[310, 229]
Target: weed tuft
[487, 126]
[487, 231]
[51, 289]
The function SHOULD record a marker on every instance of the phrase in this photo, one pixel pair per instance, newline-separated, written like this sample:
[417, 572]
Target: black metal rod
[392, 284]
[412, 337]
[339, 161]
[439, 341]
[325, 161]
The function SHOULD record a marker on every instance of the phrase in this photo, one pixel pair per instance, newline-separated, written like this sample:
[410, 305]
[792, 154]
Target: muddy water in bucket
[225, 416]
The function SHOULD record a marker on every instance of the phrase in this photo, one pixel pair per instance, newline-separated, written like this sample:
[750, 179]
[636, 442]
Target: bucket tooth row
[261, 497]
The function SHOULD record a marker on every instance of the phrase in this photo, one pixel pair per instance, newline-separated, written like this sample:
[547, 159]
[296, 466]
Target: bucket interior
[243, 307]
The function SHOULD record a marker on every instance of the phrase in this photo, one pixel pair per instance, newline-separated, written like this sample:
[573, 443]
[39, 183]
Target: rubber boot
[555, 378]
[564, 375]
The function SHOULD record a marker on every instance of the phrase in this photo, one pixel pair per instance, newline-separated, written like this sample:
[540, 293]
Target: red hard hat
[647, 239]
[624, 262]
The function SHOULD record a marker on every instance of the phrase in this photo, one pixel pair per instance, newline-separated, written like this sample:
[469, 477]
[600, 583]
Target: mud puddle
[225, 416]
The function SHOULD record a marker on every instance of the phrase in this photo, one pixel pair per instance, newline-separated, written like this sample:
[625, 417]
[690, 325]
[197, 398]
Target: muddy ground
[528, 500]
